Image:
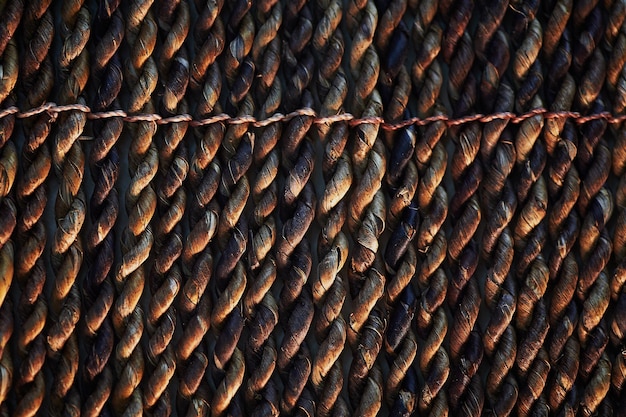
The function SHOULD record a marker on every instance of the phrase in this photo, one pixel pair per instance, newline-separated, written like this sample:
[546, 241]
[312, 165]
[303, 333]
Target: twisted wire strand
[165, 278]
[261, 308]
[98, 290]
[137, 239]
[366, 216]
[235, 155]
[8, 212]
[329, 291]
[194, 299]
[297, 203]
[52, 109]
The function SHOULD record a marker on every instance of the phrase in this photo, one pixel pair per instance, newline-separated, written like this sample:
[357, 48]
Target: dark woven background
[169, 245]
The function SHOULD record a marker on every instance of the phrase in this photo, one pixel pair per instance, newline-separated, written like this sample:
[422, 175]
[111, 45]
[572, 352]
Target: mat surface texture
[313, 208]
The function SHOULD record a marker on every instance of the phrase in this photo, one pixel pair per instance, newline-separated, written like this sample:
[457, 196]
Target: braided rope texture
[313, 208]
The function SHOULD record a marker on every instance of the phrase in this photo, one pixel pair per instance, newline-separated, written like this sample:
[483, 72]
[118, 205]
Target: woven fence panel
[313, 208]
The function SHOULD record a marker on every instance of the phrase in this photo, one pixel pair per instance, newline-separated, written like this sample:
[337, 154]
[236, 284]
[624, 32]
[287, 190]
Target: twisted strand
[366, 215]
[432, 321]
[466, 348]
[595, 205]
[194, 299]
[499, 155]
[618, 279]
[32, 199]
[329, 290]
[260, 306]
[234, 190]
[531, 392]
[104, 207]
[529, 232]
[297, 204]
[402, 179]
[588, 62]
[166, 276]
[432, 201]
[70, 211]
[426, 71]
[294, 262]
[137, 239]
[8, 212]
[563, 188]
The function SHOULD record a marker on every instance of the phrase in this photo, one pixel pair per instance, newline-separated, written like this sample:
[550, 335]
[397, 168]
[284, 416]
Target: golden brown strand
[70, 211]
[499, 199]
[8, 212]
[329, 291]
[98, 292]
[137, 239]
[260, 307]
[618, 278]
[235, 154]
[194, 298]
[32, 199]
[296, 203]
[173, 19]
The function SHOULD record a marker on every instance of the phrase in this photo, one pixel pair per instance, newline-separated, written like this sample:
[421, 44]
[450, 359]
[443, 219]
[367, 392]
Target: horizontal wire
[53, 109]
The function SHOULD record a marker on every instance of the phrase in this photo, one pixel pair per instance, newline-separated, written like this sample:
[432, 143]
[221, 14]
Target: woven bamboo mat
[313, 208]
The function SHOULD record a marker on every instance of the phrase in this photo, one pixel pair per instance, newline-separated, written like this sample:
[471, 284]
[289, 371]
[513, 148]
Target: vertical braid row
[32, 200]
[8, 209]
[166, 275]
[104, 161]
[431, 159]
[498, 156]
[261, 308]
[70, 211]
[530, 232]
[615, 79]
[137, 239]
[595, 207]
[235, 154]
[297, 203]
[466, 350]
[329, 290]
[391, 40]
[194, 299]
[563, 185]
[366, 216]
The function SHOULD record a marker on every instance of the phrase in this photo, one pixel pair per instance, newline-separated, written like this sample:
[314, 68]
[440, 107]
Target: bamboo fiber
[313, 208]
